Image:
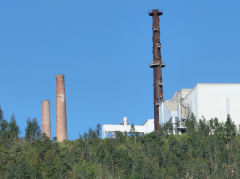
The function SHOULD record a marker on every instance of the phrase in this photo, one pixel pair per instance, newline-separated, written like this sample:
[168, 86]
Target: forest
[208, 149]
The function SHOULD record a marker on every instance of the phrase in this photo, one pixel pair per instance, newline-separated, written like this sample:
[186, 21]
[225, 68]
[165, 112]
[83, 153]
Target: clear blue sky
[104, 48]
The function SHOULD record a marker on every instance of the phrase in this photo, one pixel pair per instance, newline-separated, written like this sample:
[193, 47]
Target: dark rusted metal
[157, 66]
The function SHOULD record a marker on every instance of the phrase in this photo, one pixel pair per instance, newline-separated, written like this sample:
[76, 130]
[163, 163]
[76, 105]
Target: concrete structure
[146, 128]
[205, 100]
[214, 100]
[61, 121]
[46, 124]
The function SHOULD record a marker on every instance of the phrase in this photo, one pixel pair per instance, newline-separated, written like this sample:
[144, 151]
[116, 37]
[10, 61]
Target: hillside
[208, 150]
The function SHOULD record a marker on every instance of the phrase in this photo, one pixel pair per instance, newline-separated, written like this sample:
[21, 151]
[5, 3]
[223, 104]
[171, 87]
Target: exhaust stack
[157, 66]
[61, 121]
[46, 124]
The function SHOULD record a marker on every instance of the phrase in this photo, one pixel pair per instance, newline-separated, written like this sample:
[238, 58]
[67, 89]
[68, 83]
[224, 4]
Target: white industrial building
[205, 100]
[110, 129]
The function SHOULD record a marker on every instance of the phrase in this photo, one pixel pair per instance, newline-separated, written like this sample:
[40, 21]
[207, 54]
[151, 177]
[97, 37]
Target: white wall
[146, 128]
[191, 101]
[215, 100]
[164, 114]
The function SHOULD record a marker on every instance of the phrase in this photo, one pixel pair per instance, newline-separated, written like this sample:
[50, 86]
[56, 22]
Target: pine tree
[3, 126]
[13, 128]
[32, 130]
[1, 114]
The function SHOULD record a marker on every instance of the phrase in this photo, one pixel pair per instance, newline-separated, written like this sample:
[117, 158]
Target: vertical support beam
[157, 66]
[46, 124]
[61, 121]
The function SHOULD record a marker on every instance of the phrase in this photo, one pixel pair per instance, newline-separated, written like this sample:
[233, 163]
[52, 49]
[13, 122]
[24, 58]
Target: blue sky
[104, 48]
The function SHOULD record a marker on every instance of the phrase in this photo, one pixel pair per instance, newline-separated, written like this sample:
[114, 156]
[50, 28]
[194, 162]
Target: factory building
[205, 100]
[109, 130]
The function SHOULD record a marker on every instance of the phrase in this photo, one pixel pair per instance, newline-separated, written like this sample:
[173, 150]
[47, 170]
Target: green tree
[32, 131]
[230, 129]
[13, 128]
[1, 114]
[3, 127]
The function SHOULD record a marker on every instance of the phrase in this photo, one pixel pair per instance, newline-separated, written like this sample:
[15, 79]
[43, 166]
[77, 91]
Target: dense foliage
[207, 150]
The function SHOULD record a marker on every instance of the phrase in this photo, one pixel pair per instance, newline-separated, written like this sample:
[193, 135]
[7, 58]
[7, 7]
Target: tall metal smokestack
[61, 121]
[157, 66]
[46, 124]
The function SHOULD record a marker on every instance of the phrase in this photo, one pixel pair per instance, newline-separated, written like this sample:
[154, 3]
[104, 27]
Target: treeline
[207, 150]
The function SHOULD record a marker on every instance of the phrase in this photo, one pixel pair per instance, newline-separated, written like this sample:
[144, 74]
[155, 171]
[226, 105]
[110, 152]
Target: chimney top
[155, 12]
[60, 75]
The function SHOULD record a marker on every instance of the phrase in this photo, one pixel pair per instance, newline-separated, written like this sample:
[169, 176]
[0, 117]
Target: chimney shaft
[46, 124]
[157, 66]
[61, 121]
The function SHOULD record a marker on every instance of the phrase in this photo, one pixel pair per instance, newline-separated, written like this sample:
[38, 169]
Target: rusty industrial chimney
[46, 124]
[61, 121]
[157, 66]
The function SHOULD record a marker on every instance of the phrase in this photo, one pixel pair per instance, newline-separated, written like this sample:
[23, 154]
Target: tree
[13, 129]
[32, 130]
[209, 149]
[230, 129]
[1, 114]
[191, 124]
[132, 131]
[3, 126]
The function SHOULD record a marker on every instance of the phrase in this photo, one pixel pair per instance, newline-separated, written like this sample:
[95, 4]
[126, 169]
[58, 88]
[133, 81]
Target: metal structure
[46, 124]
[157, 66]
[61, 121]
